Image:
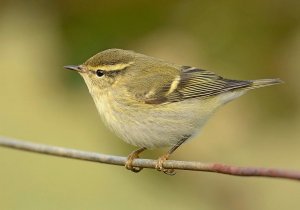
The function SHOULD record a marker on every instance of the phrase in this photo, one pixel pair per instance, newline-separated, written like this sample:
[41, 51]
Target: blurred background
[43, 103]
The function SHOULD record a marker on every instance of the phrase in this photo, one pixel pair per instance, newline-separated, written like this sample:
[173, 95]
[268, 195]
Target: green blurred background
[43, 103]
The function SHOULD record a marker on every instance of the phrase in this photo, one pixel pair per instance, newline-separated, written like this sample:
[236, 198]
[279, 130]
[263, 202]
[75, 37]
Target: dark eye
[99, 73]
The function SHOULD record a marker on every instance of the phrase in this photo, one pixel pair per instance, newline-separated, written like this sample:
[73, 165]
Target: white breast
[156, 125]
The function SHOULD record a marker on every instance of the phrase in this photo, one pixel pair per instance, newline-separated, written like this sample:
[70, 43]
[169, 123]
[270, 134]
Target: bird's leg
[163, 158]
[131, 157]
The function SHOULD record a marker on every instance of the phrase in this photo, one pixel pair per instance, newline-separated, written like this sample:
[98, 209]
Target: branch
[147, 163]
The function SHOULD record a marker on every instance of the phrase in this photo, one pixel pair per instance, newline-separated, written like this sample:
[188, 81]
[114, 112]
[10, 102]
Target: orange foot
[131, 157]
[160, 162]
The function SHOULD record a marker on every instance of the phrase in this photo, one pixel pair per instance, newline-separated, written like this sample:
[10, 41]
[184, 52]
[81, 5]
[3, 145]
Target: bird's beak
[74, 68]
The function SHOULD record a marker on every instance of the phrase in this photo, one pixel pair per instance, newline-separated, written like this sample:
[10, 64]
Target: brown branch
[147, 163]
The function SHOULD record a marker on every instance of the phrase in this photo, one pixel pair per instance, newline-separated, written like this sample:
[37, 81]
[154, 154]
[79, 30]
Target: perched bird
[151, 103]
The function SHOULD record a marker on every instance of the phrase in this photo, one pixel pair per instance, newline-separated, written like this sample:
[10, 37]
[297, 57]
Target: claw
[131, 157]
[159, 165]
[129, 166]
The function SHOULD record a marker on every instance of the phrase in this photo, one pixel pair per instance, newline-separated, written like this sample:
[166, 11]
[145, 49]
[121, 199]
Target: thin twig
[147, 163]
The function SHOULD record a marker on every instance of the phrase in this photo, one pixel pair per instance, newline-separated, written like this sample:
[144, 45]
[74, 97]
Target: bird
[152, 103]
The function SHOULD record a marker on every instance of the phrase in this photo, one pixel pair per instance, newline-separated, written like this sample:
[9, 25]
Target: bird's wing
[172, 85]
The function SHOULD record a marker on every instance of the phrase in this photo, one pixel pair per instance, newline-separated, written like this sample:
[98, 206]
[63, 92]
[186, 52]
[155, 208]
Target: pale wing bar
[202, 83]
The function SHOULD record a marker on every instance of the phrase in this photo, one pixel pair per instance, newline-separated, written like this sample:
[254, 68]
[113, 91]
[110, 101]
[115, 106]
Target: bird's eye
[99, 73]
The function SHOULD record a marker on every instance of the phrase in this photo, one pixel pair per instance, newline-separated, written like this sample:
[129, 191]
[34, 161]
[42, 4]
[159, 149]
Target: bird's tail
[239, 88]
[263, 83]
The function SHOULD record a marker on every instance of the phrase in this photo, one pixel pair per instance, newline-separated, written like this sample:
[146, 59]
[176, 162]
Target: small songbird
[151, 103]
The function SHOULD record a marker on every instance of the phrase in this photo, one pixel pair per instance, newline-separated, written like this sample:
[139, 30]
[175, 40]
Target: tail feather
[244, 86]
[263, 83]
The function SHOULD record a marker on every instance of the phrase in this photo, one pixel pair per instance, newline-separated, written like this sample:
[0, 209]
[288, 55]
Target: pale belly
[158, 126]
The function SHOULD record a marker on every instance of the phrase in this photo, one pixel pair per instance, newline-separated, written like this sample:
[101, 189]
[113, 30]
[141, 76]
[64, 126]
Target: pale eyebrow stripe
[111, 67]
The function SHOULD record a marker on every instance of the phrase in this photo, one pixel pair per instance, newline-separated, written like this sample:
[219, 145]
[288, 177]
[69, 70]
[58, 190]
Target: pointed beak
[74, 68]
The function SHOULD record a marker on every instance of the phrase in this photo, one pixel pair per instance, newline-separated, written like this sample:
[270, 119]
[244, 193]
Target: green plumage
[192, 83]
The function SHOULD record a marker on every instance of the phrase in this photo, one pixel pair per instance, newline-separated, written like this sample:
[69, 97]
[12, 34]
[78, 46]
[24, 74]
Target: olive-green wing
[186, 83]
[202, 83]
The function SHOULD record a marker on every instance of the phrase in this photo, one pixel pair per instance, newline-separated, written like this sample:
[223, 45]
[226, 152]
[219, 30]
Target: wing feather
[196, 83]
[192, 83]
